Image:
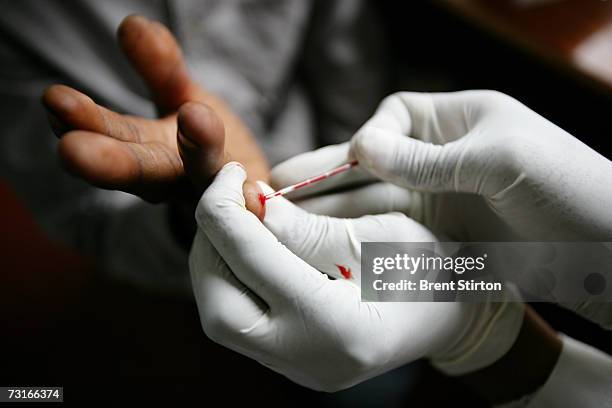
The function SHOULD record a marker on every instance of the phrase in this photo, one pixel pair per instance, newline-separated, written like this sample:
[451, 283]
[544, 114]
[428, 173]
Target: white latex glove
[261, 299]
[478, 165]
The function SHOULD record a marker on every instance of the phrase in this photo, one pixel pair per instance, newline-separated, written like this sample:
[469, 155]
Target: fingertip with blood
[254, 199]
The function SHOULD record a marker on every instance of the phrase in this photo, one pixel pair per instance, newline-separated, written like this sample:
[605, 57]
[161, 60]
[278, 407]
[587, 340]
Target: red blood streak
[310, 181]
[262, 199]
[346, 272]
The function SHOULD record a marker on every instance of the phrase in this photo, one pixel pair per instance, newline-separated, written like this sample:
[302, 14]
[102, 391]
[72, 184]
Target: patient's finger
[201, 141]
[145, 170]
[155, 54]
[72, 110]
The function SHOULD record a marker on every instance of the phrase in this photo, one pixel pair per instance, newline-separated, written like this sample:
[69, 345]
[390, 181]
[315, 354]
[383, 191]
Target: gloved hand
[270, 301]
[477, 165]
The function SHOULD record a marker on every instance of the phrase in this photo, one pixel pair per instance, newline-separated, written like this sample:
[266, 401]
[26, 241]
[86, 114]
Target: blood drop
[346, 272]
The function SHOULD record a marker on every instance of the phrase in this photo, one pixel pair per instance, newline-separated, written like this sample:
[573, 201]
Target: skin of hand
[268, 300]
[475, 165]
[142, 156]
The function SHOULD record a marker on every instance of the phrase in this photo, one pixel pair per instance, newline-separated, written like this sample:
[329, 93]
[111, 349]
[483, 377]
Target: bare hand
[143, 156]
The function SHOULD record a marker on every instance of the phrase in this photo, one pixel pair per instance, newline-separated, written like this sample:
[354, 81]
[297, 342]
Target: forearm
[524, 368]
[582, 377]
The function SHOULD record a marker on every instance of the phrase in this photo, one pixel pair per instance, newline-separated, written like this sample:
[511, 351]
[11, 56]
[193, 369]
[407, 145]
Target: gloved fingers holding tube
[539, 180]
[291, 292]
[292, 318]
[333, 245]
[351, 194]
[477, 165]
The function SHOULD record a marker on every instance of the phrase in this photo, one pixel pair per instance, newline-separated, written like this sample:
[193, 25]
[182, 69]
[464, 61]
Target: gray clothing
[300, 73]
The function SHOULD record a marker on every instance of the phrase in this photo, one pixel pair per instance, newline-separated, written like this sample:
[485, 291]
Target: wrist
[524, 368]
[490, 329]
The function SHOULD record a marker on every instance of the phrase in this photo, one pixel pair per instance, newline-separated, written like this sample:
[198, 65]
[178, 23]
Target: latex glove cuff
[488, 336]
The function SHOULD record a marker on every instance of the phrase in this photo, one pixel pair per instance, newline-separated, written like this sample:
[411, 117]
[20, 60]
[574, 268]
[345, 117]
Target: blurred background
[63, 323]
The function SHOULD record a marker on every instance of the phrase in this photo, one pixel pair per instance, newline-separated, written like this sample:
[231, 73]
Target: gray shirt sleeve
[42, 43]
[234, 49]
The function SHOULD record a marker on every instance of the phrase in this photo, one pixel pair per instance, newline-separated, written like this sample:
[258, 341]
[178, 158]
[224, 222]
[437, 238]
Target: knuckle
[361, 358]
[497, 98]
[399, 101]
[357, 142]
[509, 153]
[217, 326]
[403, 96]
[494, 94]
[204, 209]
[394, 98]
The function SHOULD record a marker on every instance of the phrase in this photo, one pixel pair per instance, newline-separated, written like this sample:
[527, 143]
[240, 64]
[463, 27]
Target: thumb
[201, 143]
[252, 253]
[418, 140]
[323, 242]
[333, 245]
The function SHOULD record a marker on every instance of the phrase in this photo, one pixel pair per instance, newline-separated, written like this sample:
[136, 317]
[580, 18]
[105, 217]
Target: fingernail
[234, 163]
[138, 18]
[264, 187]
[370, 145]
[185, 140]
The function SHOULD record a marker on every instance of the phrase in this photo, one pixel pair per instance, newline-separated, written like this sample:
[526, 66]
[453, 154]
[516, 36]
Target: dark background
[64, 325]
